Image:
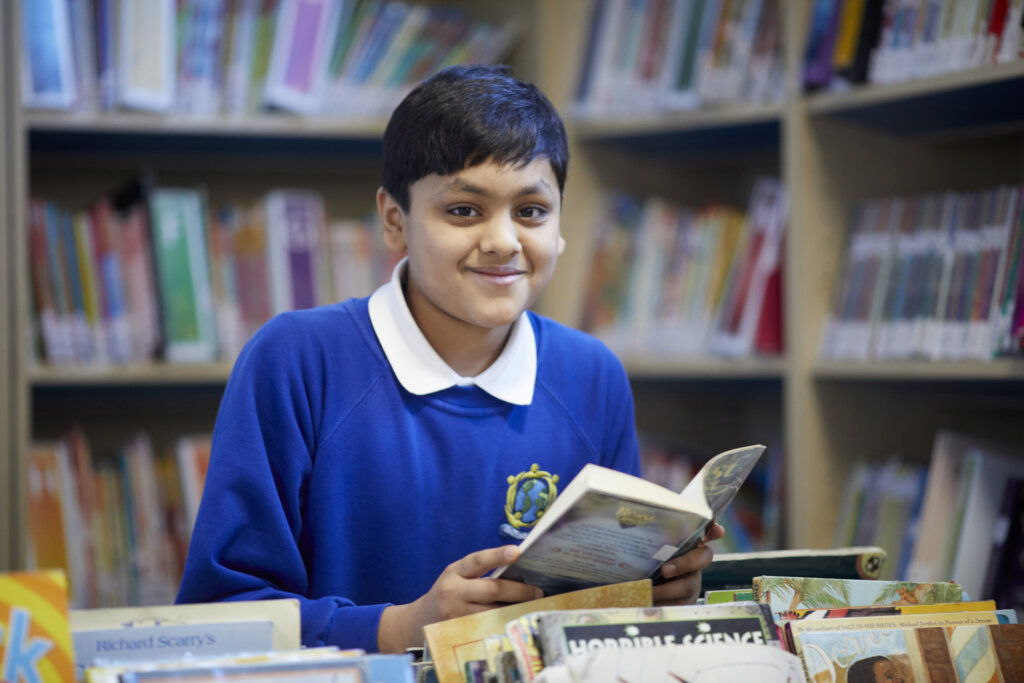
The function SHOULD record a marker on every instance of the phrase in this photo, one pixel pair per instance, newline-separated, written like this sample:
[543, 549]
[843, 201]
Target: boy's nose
[500, 236]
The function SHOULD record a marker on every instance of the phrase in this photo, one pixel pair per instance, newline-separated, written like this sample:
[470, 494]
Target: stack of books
[206, 58]
[150, 272]
[664, 55]
[666, 280]
[890, 41]
[934, 276]
[776, 629]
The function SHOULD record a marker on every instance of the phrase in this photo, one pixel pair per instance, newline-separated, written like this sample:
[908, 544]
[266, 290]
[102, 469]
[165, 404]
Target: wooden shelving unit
[963, 130]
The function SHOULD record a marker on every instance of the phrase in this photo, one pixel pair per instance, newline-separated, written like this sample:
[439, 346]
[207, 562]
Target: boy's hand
[458, 591]
[682, 574]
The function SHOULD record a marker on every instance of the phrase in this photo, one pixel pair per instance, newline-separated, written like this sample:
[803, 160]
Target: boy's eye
[463, 211]
[532, 212]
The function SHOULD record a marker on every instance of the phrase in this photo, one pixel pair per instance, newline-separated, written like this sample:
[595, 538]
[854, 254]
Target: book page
[602, 539]
[715, 486]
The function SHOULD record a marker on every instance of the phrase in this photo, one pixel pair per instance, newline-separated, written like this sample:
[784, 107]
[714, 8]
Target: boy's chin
[497, 317]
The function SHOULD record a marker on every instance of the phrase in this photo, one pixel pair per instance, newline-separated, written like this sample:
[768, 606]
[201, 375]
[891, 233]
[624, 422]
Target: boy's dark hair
[863, 670]
[467, 115]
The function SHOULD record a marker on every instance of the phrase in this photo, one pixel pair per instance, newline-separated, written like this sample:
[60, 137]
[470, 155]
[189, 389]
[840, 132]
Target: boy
[363, 448]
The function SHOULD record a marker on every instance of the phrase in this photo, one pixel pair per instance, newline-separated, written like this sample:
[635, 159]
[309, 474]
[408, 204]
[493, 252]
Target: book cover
[454, 642]
[607, 526]
[183, 273]
[934, 653]
[52, 342]
[989, 469]
[35, 639]
[110, 273]
[147, 54]
[305, 31]
[960, 501]
[720, 662]
[787, 593]
[739, 569]
[295, 237]
[797, 629]
[326, 663]
[141, 634]
[758, 257]
[884, 610]
[1005, 579]
[564, 633]
[51, 507]
[130, 202]
[192, 454]
[48, 76]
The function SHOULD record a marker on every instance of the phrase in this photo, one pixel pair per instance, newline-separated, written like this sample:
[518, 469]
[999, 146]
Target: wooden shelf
[647, 366]
[1009, 369]
[134, 133]
[727, 128]
[280, 125]
[151, 374]
[987, 97]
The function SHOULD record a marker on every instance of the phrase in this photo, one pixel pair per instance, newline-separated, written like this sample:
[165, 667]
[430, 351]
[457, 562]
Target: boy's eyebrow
[456, 185]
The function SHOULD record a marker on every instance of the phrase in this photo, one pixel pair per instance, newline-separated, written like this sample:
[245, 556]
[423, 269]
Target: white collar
[421, 370]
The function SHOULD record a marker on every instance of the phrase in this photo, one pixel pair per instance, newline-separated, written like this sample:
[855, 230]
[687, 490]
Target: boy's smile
[482, 245]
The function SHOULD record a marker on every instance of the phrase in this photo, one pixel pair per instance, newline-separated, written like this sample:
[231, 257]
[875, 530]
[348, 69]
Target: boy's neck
[471, 351]
[467, 349]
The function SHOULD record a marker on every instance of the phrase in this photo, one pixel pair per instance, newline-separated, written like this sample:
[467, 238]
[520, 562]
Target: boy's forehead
[536, 175]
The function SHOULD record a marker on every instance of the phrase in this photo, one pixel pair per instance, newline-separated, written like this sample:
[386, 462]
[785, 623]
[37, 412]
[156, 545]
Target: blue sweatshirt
[330, 483]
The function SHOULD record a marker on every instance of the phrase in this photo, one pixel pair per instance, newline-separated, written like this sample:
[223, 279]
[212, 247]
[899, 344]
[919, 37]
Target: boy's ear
[393, 219]
[561, 245]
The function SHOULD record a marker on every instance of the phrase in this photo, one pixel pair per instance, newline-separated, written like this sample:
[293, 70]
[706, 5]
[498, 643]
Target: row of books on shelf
[782, 628]
[668, 280]
[889, 41]
[664, 55]
[341, 58]
[152, 272]
[118, 524]
[934, 276]
[959, 516]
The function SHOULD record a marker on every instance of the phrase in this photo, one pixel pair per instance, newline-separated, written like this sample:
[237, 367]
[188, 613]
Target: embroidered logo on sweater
[528, 498]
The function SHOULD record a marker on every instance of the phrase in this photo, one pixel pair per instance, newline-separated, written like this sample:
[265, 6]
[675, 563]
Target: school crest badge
[528, 498]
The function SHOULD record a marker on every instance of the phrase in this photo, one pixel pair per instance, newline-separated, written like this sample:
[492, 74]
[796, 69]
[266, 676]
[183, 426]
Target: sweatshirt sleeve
[247, 543]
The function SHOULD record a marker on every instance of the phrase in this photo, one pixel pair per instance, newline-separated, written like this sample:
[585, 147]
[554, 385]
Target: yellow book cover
[845, 48]
[797, 628]
[47, 503]
[883, 610]
[454, 642]
[35, 639]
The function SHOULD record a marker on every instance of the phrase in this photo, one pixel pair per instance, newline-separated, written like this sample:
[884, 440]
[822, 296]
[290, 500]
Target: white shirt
[421, 370]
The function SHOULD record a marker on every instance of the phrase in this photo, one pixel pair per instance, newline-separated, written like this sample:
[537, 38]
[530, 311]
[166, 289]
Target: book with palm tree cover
[788, 593]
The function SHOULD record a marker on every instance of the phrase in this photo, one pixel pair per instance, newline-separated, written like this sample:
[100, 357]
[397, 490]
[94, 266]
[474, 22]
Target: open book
[608, 526]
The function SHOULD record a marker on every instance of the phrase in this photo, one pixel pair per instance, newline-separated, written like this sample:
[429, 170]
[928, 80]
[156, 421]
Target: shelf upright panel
[812, 480]
[6, 293]
[14, 405]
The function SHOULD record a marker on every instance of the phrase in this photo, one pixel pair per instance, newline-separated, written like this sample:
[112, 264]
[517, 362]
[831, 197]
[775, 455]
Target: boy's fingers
[695, 560]
[495, 591]
[683, 590]
[715, 532]
[479, 563]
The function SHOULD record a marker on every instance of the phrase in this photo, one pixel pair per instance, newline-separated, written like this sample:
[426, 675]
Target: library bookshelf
[963, 131]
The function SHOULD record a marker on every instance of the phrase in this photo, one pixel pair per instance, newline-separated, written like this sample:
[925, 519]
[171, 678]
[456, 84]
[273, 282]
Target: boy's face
[482, 243]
